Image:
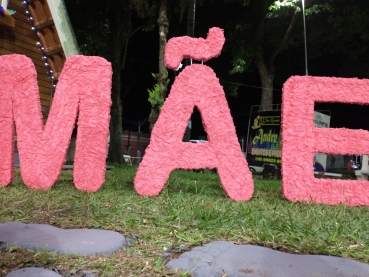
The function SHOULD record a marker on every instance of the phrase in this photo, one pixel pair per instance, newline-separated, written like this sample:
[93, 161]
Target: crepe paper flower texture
[301, 137]
[4, 11]
[42, 148]
[197, 85]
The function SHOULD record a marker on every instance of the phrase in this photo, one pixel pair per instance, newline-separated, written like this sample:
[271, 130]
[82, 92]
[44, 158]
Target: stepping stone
[42, 272]
[33, 272]
[87, 242]
[220, 257]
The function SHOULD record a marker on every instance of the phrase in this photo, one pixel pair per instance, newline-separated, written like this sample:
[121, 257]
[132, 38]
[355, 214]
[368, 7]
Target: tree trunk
[266, 74]
[153, 117]
[162, 76]
[265, 64]
[163, 33]
[115, 154]
[191, 12]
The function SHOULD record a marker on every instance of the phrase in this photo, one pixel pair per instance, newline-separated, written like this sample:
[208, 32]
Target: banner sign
[264, 141]
[321, 121]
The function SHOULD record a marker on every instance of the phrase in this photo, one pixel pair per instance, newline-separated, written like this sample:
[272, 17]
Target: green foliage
[239, 66]
[340, 27]
[156, 98]
[242, 31]
[278, 8]
[93, 30]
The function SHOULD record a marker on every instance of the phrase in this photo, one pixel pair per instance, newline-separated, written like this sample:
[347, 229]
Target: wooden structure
[32, 31]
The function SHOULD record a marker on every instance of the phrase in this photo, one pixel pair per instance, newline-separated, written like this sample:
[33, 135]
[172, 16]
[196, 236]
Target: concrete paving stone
[222, 258]
[33, 272]
[42, 272]
[215, 259]
[87, 242]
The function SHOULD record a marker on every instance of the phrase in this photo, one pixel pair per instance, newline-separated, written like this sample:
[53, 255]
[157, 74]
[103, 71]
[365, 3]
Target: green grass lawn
[192, 210]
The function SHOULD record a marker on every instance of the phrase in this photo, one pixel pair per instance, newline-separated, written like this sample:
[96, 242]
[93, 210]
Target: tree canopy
[264, 39]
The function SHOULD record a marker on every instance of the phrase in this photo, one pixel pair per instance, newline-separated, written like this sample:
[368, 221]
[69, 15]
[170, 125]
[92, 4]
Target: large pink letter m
[83, 91]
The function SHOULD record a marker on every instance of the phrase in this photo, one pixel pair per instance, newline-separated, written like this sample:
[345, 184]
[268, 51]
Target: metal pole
[303, 17]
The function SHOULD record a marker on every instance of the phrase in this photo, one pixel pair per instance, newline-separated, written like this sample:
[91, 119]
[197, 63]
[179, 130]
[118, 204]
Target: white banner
[321, 121]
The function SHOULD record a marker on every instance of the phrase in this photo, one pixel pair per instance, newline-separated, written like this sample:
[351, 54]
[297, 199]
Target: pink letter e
[301, 140]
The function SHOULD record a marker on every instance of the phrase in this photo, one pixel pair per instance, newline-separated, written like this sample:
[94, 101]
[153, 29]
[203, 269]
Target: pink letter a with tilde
[83, 90]
[197, 85]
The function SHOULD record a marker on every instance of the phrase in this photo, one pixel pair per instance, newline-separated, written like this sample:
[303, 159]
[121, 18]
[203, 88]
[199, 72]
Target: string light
[39, 44]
